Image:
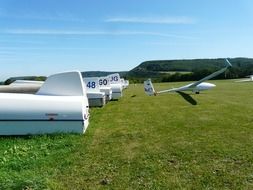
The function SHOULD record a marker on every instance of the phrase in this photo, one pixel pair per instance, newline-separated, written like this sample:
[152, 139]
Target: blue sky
[41, 37]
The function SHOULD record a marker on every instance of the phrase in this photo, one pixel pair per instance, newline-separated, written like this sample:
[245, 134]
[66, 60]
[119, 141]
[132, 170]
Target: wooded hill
[102, 73]
[173, 70]
[186, 70]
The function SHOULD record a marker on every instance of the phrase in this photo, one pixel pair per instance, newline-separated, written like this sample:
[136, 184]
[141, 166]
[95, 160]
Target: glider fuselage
[200, 87]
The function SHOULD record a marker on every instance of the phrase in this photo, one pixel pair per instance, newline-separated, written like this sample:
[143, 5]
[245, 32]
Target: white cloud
[57, 16]
[51, 32]
[80, 32]
[153, 20]
[171, 44]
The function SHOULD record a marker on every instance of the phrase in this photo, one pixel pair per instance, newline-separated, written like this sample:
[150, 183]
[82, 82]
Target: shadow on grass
[33, 136]
[188, 98]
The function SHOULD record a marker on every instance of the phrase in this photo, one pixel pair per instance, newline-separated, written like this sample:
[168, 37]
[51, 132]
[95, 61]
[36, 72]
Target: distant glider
[195, 87]
[250, 79]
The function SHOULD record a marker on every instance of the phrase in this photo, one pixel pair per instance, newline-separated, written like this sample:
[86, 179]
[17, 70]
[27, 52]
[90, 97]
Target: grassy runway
[142, 142]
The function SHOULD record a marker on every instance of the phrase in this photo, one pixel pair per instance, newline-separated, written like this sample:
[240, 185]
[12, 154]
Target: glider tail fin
[228, 64]
[63, 84]
[148, 87]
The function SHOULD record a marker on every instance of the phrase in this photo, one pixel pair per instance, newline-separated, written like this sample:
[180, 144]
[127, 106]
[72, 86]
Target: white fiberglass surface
[28, 106]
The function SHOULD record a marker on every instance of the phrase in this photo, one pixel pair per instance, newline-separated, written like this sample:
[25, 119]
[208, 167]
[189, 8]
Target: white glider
[60, 106]
[250, 79]
[195, 87]
[95, 96]
[116, 86]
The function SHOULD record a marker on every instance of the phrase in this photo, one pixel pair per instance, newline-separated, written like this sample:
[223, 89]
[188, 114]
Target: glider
[22, 86]
[250, 79]
[59, 106]
[104, 86]
[95, 96]
[195, 87]
[116, 86]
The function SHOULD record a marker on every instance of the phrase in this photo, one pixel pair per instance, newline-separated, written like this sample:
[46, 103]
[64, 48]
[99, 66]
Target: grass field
[142, 142]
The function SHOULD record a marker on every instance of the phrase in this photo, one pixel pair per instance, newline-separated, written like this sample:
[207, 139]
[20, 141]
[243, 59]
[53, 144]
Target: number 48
[91, 85]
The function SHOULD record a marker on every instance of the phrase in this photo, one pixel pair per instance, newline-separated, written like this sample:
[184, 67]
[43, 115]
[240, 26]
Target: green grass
[142, 142]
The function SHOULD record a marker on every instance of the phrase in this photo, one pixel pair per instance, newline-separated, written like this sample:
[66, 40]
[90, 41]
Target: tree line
[189, 70]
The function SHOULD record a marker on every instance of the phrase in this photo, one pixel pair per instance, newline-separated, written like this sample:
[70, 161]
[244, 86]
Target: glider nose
[209, 86]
